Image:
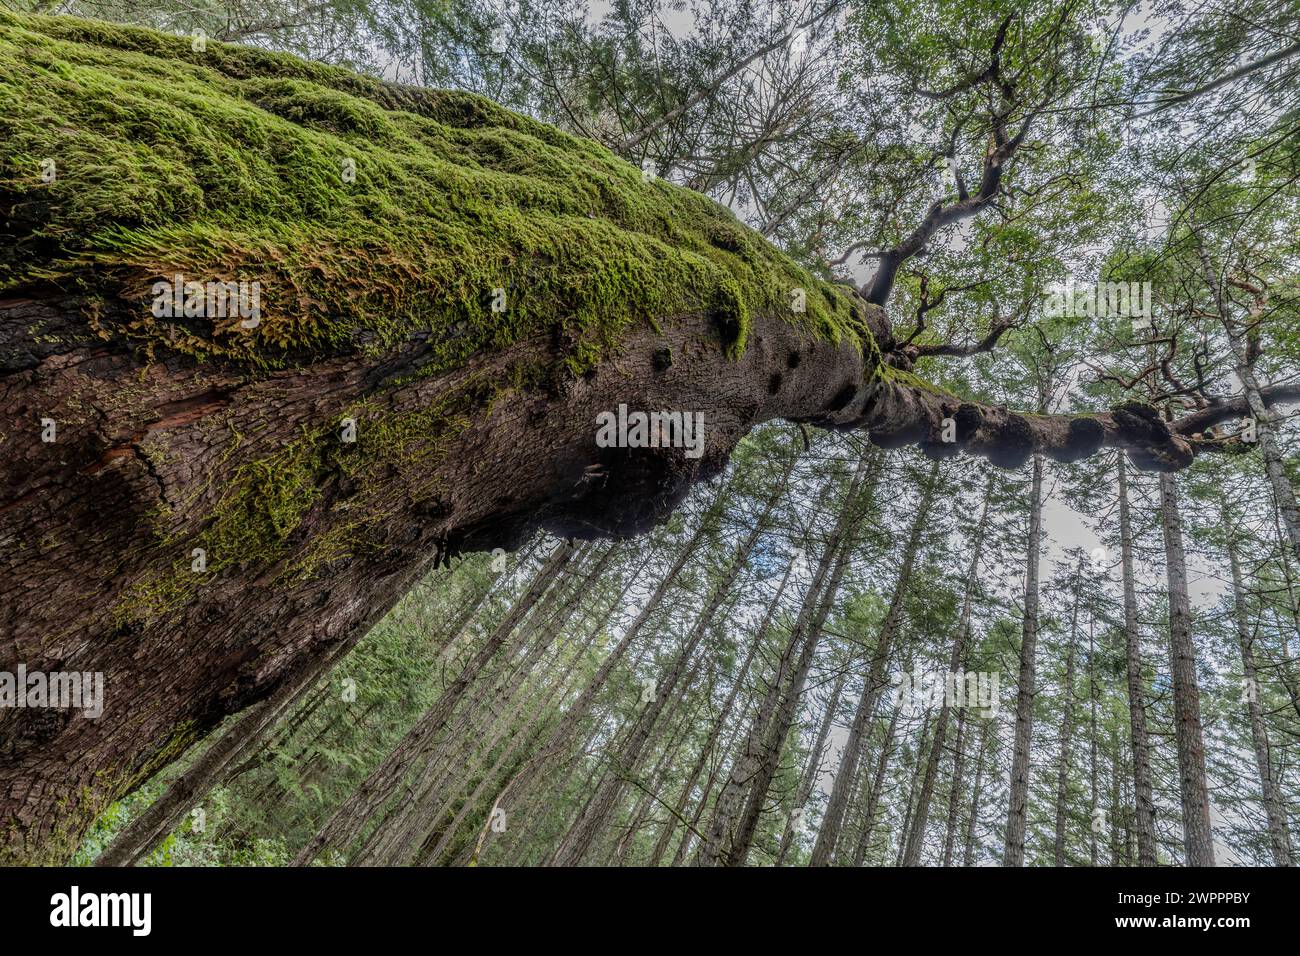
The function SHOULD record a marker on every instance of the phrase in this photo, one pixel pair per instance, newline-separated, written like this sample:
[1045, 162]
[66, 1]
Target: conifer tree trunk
[350, 818]
[380, 416]
[876, 790]
[1262, 416]
[1063, 738]
[720, 768]
[811, 771]
[478, 725]
[955, 789]
[914, 789]
[1274, 806]
[150, 828]
[710, 745]
[578, 841]
[972, 821]
[1198, 837]
[833, 819]
[526, 737]
[729, 831]
[434, 842]
[1117, 809]
[563, 736]
[1018, 807]
[778, 730]
[920, 820]
[1139, 741]
[654, 781]
[1094, 787]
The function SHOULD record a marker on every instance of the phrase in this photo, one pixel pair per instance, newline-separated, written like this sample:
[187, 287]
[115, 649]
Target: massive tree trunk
[438, 298]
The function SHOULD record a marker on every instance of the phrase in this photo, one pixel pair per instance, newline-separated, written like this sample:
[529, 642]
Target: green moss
[258, 515]
[911, 380]
[227, 164]
[733, 313]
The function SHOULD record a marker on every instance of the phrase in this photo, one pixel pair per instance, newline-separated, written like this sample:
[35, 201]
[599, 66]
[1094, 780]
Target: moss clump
[259, 515]
[907, 379]
[464, 223]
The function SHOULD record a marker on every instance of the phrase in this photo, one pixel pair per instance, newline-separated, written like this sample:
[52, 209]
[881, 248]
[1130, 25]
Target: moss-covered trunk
[411, 308]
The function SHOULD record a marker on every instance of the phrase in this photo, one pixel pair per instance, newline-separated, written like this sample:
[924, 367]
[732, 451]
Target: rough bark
[1139, 741]
[1018, 810]
[1198, 836]
[152, 826]
[1063, 738]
